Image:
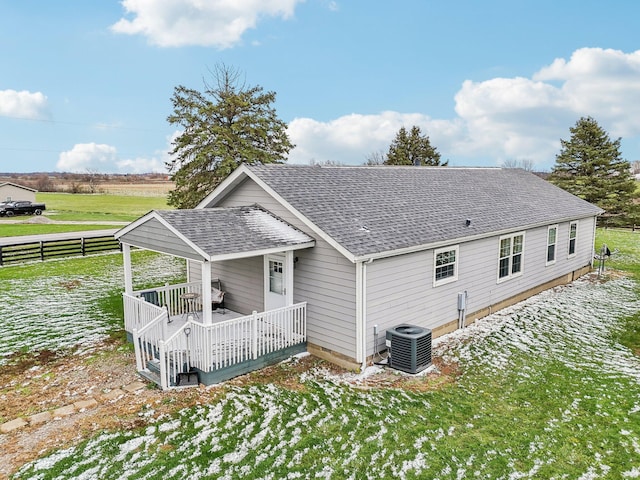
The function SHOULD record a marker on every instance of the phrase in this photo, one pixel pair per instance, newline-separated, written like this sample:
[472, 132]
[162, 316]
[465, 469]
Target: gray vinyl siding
[242, 281]
[323, 278]
[400, 289]
[152, 235]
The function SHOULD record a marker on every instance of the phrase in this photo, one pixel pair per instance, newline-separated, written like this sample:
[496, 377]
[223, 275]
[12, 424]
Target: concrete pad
[84, 404]
[12, 425]
[64, 411]
[132, 387]
[40, 418]
[113, 394]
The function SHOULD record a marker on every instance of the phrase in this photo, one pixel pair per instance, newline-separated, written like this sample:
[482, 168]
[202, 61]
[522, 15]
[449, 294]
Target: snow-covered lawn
[546, 392]
[64, 310]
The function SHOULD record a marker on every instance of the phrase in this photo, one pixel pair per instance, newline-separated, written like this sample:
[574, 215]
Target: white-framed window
[573, 236]
[510, 256]
[552, 241]
[445, 261]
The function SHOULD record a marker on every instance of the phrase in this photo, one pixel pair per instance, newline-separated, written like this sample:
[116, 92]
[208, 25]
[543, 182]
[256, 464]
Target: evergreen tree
[224, 126]
[590, 166]
[412, 148]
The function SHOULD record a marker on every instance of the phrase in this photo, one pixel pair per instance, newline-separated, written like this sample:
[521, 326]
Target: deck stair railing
[147, 340]
[139, 313]
[174, 356]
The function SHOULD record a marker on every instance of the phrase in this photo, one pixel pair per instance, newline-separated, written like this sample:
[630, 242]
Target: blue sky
[87, 86]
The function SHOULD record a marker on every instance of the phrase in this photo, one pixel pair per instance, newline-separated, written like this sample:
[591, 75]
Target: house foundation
[472, 317]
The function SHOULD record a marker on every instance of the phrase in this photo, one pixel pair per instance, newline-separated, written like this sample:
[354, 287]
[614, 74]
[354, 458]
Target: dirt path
[39, 387]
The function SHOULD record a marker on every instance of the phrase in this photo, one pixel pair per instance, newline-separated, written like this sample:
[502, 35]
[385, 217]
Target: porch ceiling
[214, 234]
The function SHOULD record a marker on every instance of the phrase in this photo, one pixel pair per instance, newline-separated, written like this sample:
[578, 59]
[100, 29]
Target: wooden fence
[46, 249]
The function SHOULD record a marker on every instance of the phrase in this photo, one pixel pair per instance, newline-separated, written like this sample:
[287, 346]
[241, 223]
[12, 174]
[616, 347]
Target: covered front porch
[186, 334]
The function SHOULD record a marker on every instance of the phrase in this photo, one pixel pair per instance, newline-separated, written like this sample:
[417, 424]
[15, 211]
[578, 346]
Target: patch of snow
[68, 311]
[270, 227]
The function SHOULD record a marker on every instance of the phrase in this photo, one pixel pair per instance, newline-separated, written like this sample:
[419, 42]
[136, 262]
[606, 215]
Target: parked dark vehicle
[17, 207]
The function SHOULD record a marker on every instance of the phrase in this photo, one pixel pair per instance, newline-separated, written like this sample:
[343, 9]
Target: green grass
[99, 207]
[549, 389]
[19, 229]
[60, 304]
[626, 247]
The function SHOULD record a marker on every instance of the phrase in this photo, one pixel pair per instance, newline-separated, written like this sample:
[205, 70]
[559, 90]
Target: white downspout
[361, 313]
[360, 355]
[364, 313]
[128, 277]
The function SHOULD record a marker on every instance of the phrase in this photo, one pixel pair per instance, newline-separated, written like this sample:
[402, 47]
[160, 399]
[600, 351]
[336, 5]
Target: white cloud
[93, 157]
[85, 157]
[155, 164]
[141, 165]
[23, 104]
[352, 138]
[497, 119]
[605, 82]
[218, 23]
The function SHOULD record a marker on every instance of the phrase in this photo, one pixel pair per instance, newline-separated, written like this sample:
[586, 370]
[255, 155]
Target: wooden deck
[177, 322]
[173, 339]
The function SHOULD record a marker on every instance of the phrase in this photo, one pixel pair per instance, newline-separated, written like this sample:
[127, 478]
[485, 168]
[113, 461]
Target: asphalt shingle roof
[370, 210]
[224, 231]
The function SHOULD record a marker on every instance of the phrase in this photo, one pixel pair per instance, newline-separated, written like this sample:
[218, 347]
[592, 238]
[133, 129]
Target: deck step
[154, 366]
[151, 376]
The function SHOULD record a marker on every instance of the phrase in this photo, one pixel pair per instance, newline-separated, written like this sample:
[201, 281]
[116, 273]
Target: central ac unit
[409, 348]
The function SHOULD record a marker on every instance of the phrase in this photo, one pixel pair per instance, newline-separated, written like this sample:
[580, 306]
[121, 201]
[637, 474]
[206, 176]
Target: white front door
[275, 282]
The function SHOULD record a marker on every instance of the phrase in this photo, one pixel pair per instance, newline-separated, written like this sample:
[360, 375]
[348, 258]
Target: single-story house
[12, 191]
[327, 259]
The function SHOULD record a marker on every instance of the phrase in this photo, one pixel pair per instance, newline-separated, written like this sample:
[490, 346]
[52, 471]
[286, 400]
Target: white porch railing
[170, 295]
[246, 338]
[207, 347]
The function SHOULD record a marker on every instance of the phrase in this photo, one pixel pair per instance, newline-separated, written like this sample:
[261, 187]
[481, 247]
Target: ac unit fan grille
[410, 352]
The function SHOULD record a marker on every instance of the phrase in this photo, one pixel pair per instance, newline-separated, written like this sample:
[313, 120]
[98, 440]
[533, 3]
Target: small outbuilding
[12, 191]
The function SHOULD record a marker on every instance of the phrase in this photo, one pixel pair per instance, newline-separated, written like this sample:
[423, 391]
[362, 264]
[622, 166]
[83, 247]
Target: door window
[276, 285]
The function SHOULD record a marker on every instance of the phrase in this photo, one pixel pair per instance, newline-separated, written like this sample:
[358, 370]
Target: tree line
[230, 123]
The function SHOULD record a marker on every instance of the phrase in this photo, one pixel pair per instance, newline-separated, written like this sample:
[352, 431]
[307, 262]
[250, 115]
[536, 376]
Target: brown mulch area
[36, 383]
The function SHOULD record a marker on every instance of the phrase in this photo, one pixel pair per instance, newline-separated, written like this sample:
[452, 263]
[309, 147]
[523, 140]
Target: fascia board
[133, 225]
[258, 253]
[223, 188]
[11, 184]
[194, 258]
[168, 226]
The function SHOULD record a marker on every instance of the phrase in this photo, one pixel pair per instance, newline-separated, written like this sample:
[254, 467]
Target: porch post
[288, 265]
[206, 293]
[128, 281]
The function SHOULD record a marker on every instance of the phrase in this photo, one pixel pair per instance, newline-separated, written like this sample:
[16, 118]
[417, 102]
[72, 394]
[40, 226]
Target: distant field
[137, 189]
[99, 207]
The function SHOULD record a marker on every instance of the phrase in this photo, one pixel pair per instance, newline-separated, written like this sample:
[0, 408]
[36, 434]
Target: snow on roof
[273, 228]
